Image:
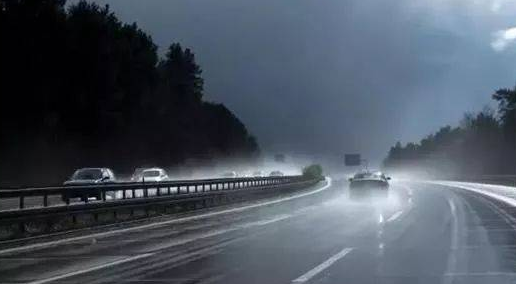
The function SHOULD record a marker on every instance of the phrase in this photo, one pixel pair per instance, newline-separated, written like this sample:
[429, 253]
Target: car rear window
[88, 174]
[151, 173]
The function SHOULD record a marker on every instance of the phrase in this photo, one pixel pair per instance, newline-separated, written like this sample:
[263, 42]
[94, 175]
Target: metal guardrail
[157, 197]
[123, 191]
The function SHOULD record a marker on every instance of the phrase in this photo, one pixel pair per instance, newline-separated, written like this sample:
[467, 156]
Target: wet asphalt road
[421, 233]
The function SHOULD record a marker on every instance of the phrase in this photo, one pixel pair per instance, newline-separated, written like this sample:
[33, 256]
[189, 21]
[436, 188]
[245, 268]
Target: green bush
[313, 171]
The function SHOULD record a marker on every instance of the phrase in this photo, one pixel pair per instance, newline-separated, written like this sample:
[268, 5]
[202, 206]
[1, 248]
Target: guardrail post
[45, 200]
[22, 202]
[21, 227]
[123, 194]
[145, 192]
[133, 193]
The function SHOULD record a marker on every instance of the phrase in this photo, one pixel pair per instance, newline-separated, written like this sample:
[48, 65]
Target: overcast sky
[336, 76]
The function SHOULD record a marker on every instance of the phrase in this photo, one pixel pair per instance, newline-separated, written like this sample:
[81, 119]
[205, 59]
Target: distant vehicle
[230, 175]
[257, 174]
[368, 183]
[88, 176]
[153, 175]
[276, 174]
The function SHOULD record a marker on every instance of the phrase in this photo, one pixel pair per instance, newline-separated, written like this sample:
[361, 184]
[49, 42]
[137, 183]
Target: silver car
[153, 175]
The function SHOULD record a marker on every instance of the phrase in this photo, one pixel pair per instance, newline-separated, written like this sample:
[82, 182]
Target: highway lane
[423, 233]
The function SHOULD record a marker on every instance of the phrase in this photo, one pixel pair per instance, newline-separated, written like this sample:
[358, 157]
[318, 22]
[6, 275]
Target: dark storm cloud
[330, 77]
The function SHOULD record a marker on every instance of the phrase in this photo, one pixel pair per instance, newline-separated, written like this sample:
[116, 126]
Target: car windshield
[87, 174]
[153, 173]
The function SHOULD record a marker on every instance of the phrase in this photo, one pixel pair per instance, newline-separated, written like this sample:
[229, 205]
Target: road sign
[352, 159]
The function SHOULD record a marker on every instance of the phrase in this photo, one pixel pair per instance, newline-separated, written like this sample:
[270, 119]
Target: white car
[153, 175]
[368, 183]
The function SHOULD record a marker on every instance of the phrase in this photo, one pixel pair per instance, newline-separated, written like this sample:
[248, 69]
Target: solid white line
[70, 274]
[160, 224]
[319, 268]
[395, 216]
[451, 264]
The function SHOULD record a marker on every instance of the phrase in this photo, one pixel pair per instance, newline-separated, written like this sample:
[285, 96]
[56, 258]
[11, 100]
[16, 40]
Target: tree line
[483, 143]
[81, 88]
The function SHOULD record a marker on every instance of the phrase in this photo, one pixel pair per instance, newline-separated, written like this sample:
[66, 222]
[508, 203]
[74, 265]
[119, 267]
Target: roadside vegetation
[313, 172]
[484, 143]
[80, 88]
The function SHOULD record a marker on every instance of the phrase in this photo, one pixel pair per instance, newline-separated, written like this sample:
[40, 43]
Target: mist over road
[423, 233]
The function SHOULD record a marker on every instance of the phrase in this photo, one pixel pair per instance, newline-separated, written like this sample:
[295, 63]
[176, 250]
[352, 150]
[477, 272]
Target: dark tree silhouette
[81, 88]
[478, 146]
[506, 99]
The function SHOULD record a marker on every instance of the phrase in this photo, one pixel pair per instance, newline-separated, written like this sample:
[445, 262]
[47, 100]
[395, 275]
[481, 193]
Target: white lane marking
[163, 223]
[395, 216]
[455, 222]
[451, 265]
[74, 273]
[157, 249]
[265, 222]
[319, 268]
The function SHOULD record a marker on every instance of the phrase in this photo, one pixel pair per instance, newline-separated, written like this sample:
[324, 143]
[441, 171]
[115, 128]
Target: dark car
[87, 176]
[369, 184]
